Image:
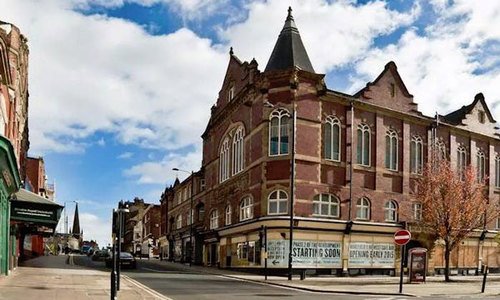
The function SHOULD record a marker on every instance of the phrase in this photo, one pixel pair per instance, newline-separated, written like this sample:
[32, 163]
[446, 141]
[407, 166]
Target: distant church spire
[289, 50]
[76, 223]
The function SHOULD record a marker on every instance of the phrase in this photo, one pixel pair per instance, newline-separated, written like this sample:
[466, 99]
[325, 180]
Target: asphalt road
[184, 285]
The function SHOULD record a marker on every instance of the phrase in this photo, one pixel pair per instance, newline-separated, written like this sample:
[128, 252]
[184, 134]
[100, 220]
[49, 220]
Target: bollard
[484, 278]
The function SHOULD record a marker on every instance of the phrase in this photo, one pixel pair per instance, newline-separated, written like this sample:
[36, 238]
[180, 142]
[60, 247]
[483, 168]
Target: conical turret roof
[289, 50]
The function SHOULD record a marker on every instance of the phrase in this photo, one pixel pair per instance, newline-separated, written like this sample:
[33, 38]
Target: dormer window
[230, 93]
[482, 117]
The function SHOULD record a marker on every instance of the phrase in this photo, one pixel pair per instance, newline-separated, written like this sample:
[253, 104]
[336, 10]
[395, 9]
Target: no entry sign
[402, 237]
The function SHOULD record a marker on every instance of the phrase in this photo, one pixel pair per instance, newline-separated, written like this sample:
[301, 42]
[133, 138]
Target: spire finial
[289, 13]
[231, 52]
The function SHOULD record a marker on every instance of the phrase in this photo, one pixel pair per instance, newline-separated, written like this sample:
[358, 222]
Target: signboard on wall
[305, 253]
[374, 255]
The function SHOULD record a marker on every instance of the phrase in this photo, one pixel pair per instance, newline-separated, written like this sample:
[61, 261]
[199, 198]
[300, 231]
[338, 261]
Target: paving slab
[55, 278]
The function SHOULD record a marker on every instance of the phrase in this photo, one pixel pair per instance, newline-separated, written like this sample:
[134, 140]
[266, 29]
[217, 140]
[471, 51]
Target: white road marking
[147, 289]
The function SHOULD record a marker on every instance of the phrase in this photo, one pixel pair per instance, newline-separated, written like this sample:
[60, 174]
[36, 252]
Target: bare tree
[454, 203]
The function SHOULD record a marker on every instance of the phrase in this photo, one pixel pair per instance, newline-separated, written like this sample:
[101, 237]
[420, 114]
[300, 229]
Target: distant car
[126, 261]
[86, 249]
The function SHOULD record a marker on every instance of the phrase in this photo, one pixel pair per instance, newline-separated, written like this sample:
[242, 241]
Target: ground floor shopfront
[35, 219]
[333, 247]
[9, 184]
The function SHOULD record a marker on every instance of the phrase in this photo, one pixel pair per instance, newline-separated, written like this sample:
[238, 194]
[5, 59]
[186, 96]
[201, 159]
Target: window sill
[325, 217]
[363, 168]
[278, 214]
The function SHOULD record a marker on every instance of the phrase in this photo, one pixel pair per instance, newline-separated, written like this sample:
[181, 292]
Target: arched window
[363, 209]
[391, 150]
[277, 203]
[441, 150]
[416, 155]
[224, 161]
[238, 150]
[326, 205]
[179, 221]
[246, 209]
[481, 165]
[228, 215]
[279, 132]
[364, 142]
[391, 211]
[214, 219]
[497, 171]
[332, 138]
[461, 159]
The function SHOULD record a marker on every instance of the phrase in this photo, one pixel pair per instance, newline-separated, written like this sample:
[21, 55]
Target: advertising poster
[371, 255]
[314, 254]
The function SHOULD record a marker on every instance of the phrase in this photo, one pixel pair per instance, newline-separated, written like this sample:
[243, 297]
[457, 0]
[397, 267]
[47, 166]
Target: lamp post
[121, 210]
[191, 215]
[292, 184]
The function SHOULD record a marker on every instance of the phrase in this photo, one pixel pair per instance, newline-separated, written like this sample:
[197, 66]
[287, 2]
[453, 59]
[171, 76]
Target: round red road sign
[402, 237]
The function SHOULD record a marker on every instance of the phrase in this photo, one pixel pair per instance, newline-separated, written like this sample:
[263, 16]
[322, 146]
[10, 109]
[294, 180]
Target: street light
[191, 215]
[122, 208]
[292, 183]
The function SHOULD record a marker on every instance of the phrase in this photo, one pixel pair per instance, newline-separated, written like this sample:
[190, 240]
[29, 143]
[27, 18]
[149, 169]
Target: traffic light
[115, 225]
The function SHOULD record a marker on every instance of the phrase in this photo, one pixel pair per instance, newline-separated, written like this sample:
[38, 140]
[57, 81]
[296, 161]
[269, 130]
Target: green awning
[30, 207]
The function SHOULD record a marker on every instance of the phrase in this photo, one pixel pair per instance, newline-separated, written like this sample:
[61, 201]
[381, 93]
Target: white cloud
[160, 172]
[125, 155]
[101, 142]
[90, 73]
[445, 67]
[334, 33]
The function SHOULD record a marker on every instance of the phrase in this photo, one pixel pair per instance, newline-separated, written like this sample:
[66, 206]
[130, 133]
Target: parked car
[126, 261]
[100, 255]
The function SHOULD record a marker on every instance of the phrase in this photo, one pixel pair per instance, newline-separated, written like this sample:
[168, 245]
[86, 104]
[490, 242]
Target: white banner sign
[317, 254]
[371, 255]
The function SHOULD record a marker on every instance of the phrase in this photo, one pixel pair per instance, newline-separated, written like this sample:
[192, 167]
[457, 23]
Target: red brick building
[357, 158]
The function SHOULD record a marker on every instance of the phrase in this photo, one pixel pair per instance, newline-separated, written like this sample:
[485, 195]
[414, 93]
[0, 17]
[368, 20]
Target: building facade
[353, 160]
[13, 132]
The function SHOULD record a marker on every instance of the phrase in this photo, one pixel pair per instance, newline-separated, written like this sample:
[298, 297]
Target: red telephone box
[418, 264]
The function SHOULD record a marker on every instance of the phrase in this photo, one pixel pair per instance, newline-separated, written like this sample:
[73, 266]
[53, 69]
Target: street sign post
[402, 237]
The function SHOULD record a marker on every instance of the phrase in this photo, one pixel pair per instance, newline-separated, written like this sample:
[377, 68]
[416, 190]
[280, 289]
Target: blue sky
[121, 90]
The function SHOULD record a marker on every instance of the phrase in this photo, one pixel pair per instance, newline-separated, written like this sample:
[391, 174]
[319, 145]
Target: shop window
[277, 203]
[332, 138]
[279, 132]
[326, 205]
[363, 209]
[364, 143]
[249, 251]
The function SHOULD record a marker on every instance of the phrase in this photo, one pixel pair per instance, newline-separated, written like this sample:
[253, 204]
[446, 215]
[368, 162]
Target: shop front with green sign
[9, 184]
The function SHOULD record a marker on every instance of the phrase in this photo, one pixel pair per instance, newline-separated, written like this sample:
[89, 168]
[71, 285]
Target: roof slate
[289, 50]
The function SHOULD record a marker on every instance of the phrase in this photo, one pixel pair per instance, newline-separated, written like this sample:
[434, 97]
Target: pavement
[57, 278]
[466, 287]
